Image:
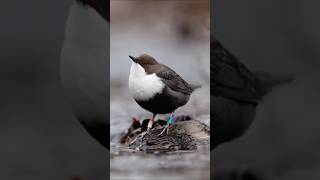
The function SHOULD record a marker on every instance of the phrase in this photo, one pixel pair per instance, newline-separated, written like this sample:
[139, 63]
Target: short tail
[267, 81]
[195, 86]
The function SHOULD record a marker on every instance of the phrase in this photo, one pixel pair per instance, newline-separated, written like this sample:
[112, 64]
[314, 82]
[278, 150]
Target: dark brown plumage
[229, 77]
[235, 93]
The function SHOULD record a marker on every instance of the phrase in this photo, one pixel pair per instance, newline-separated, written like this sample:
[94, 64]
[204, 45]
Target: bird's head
[144, 60]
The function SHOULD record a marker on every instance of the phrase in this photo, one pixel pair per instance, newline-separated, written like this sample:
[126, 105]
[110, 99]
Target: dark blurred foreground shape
[276, 37]
[39, 137]
[235, 93]
[85, 66]
[101, 6]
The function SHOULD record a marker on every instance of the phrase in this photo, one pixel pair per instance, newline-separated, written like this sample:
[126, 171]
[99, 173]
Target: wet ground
[187, 165]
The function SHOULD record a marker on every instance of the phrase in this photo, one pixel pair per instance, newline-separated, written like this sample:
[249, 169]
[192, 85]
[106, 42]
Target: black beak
[133, 58]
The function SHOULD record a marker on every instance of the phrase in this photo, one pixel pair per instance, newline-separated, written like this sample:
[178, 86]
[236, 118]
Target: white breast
[143, 86]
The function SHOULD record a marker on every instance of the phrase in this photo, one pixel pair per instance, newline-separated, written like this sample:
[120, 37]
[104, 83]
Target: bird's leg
[150, 124]
[170, 121]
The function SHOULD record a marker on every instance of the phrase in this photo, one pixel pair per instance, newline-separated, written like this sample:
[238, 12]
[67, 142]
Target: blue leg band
[170, 120]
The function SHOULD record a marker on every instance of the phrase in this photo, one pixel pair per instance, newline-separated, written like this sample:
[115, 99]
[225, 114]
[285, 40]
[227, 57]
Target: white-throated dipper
[157, 88]
[84, 66]
[235, 93]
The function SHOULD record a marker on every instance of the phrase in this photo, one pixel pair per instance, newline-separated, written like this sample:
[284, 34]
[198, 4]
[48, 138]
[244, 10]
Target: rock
[185, 134]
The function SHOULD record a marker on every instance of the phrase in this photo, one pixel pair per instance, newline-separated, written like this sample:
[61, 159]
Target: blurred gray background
[39, 137]
[276, 37]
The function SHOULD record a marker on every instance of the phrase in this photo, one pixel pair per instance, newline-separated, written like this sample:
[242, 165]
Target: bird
[84, 66]
[235, 93]
[157, 88]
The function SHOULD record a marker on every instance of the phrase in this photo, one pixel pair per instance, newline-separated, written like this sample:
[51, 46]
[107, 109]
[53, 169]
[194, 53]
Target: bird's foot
[170, 121]
[164, 129]
[146, 132]
[149, 127]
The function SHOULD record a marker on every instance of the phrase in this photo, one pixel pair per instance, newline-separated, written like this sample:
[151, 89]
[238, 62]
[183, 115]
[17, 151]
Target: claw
[164, 129]
[146, 132]
[170, 121]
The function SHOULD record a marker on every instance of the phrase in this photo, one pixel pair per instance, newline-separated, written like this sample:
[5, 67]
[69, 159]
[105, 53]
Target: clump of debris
[186, 133]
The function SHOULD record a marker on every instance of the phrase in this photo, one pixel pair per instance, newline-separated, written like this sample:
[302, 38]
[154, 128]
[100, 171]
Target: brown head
[144, 60]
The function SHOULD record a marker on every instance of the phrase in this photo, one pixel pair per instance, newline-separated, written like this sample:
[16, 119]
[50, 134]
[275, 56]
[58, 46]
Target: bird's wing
[101, 6]
[173, 80]
[229, 77]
